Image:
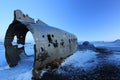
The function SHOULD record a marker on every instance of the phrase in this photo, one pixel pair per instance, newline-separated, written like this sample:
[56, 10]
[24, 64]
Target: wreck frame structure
[52, 45]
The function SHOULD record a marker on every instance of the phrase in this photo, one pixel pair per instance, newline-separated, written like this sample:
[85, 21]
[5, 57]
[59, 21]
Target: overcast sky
[89, 20]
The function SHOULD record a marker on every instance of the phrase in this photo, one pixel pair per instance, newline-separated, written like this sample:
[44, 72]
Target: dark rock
[86, 46]
[103, 50]
[100, 72]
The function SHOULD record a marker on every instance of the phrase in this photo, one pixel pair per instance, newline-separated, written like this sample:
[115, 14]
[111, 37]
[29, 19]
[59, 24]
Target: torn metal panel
[51, 46]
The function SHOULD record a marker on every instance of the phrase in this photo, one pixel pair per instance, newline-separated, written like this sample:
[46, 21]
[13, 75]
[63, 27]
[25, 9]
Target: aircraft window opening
[49, 38]
[23, 15]
[43, 36]
[52, 35]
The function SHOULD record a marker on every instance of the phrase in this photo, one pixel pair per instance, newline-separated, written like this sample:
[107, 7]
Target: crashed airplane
[52, 45]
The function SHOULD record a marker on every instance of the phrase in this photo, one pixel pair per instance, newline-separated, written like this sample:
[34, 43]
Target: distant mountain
[117, 41]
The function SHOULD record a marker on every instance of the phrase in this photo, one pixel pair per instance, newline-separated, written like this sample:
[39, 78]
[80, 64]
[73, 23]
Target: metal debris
[51, 44]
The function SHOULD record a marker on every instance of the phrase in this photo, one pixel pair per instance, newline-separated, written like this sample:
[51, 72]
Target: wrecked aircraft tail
[52, 45]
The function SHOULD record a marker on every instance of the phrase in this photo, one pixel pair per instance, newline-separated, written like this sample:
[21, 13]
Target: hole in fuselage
[29, 44]
[14, 42]
[49, 38]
